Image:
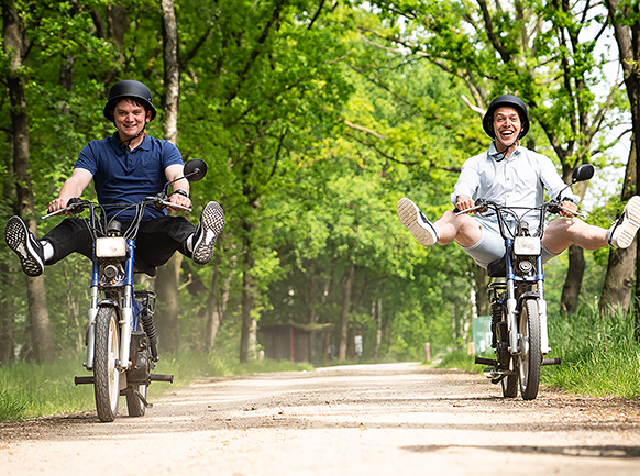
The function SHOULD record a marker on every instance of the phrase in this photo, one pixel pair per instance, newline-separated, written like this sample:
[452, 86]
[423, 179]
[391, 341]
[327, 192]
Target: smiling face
[130, 118]
[507, 127]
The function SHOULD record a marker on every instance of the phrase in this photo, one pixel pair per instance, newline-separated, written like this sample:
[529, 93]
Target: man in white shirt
[512, 175]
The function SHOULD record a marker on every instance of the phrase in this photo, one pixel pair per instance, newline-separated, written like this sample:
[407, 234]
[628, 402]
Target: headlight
[527, 245]
[110, 247]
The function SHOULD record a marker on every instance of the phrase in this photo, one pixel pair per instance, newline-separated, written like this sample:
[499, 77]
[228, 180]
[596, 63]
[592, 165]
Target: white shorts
[491, 247]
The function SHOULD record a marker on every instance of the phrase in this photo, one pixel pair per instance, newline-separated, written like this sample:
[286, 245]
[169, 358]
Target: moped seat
[498, 268]
[139, 267]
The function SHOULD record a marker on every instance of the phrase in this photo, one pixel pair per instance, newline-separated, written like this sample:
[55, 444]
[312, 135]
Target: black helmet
[128, 88]
[506, 101]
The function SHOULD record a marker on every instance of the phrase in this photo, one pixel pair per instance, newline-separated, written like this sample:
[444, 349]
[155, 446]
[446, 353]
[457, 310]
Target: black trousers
[156, 242]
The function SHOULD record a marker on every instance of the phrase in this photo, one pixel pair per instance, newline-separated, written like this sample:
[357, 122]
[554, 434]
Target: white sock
[47, 249]
[190, 242]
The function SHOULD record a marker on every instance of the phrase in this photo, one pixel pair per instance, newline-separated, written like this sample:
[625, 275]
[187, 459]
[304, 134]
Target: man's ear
[147, 119]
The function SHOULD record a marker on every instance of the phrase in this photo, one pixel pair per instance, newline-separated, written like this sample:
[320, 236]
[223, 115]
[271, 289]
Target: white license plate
[110, 247]
[527, 245]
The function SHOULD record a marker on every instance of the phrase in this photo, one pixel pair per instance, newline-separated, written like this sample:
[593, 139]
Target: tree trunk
[573, 281]
[575, 273]
[618, 283]
[629, 57]
[7, 283]
[167, 291]
[216, 307]
[13, 45]
[346, 304]
[171, 71]
[7, 343]
[168, 275]
[312, 298]
[247, 294]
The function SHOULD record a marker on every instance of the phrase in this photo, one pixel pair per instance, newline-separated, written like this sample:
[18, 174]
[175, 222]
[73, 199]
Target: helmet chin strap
[504, 154]
[127, 143]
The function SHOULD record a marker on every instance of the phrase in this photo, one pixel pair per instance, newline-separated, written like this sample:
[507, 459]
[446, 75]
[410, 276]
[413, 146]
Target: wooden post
[291, 346]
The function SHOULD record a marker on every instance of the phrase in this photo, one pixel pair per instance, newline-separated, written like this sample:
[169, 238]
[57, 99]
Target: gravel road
[394, 419]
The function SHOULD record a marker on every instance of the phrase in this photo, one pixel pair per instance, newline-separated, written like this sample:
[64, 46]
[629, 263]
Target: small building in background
[297, 342]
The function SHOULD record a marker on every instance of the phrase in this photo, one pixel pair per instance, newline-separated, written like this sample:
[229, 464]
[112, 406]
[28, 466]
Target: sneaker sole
[408, 213]
[16, 236]
[212, 222]
[628, 229]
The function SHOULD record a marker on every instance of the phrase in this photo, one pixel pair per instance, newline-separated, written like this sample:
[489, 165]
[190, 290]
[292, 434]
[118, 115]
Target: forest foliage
[314, 118]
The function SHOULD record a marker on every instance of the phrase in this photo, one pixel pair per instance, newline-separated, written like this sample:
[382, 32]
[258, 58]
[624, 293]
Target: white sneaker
[415, 221]
[210, 227]
[624, 229]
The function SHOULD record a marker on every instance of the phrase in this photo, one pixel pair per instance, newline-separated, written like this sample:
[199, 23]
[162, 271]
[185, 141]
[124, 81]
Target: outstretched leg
[563, 232]
[461, 228]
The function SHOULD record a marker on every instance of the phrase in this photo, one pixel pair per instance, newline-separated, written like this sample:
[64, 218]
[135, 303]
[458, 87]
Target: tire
[510, 382]
[105, 373]
[530, 358]
[134, 404]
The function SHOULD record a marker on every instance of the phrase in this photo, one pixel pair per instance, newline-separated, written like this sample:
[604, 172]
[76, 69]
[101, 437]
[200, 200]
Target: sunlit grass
[29, 390]
[600, 356]
[460, 360]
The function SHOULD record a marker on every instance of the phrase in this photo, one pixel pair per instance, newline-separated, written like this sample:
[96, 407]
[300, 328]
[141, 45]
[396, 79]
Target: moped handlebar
[481, 206]
[76, 205]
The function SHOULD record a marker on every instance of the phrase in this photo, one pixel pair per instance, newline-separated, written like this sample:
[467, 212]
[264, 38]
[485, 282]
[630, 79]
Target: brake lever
[575, 212]
[171, 205]
[74, 205]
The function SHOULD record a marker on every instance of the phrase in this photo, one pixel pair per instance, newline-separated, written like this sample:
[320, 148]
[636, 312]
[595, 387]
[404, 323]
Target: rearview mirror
[195, 170]
[582, 172]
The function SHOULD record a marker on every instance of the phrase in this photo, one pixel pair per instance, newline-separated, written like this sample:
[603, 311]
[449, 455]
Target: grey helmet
[506, 101]
[128, 88]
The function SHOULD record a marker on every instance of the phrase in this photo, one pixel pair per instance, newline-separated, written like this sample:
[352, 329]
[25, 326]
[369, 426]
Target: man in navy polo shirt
[125, 168]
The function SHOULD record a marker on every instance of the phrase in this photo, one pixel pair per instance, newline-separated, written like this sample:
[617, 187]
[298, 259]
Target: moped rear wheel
[106, 375]
[135, 404]
[530, 358]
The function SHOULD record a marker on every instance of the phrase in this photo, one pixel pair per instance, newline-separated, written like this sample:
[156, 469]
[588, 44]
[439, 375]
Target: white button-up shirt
[517, 181]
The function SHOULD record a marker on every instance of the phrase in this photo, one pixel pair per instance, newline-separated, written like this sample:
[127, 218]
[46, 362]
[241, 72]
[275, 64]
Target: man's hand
[571, 206]
[179, 200]
[58, 204]
[463, 203]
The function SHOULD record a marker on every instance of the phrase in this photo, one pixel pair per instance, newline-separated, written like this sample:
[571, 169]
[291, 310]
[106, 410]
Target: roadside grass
[30, 390]
[600, 356]
[459, 359]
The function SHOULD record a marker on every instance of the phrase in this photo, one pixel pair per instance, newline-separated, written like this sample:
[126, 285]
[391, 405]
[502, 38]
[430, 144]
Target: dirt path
[366, 420]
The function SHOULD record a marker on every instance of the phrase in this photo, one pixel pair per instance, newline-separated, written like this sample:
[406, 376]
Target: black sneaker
[210, 227]
[416, 222]
[25, 245]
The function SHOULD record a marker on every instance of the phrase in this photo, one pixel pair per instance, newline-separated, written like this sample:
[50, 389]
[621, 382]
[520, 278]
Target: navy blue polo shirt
[122, 175]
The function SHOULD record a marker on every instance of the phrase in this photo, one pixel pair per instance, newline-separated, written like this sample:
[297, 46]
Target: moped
[519, 310]
[121, 338]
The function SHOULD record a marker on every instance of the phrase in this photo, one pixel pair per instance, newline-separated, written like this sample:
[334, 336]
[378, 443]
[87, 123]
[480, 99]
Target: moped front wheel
[106, 374]
[530, 358]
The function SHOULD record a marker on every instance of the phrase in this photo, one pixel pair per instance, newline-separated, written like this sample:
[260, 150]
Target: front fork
[512, 311]
[126, 312]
